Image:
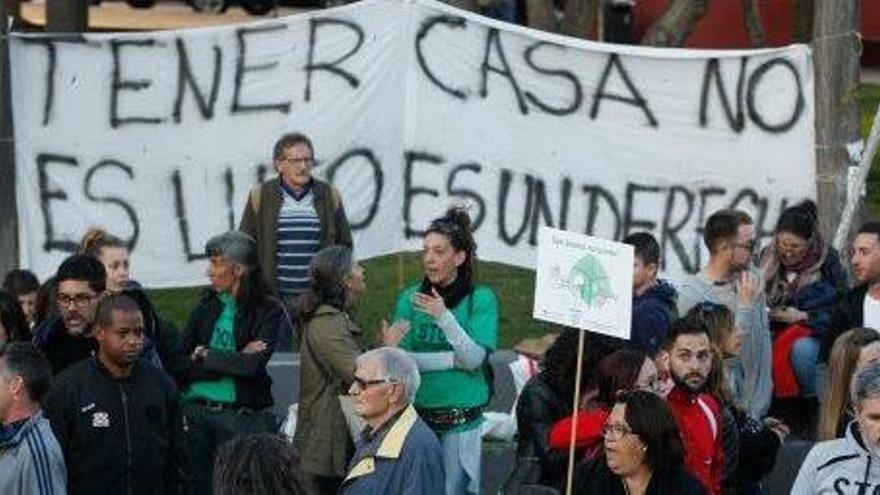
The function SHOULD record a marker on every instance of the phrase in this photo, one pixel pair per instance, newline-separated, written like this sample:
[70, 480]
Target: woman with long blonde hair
[750, 444]
[112, 252]
[852, 350]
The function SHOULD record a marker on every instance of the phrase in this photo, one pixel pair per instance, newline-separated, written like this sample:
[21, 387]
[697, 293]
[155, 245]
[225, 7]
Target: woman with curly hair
[453, 329]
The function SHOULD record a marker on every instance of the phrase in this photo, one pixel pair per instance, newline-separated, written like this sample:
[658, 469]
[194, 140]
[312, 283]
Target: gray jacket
[842, 465]
[755, 357]
[31, 461]
[327, 362]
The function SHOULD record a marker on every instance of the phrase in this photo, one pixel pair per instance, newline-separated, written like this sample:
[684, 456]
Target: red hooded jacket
[587, 434]
[699, 418]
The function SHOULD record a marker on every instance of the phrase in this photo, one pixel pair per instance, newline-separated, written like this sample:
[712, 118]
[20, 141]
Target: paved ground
[116, 15]
[871, 76]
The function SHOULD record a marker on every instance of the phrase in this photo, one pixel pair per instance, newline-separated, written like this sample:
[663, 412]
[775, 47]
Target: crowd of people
[101, 394]
[738, 352]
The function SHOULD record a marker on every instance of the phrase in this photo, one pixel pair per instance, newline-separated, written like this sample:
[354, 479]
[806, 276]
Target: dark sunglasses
[365, 384]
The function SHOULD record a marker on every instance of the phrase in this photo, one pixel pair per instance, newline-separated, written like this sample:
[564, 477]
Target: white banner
[412, 106]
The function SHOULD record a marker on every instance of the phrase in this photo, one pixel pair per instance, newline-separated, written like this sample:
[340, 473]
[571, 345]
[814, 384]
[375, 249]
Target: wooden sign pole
[574, 419]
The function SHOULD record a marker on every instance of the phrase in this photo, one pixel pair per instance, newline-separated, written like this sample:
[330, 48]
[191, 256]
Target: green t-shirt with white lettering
[478, 316]
[223, 339]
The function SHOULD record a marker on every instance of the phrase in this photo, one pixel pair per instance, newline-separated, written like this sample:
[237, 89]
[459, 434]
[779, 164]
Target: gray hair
[866, 384]
[399, 367]
[235, 246]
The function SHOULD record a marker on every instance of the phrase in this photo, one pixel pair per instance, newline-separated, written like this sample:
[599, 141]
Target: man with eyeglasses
[397, 453]
[730, 278]
[66, 337]
[698, 412]
[292, 217]
[115, 414]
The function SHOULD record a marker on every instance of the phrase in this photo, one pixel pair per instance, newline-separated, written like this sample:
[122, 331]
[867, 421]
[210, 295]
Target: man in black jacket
[114, 414]
[860, 307]
[66, 337]
[227, 343]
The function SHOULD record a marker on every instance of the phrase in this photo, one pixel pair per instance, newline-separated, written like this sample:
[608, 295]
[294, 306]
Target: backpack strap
[334, 196]
[255, 196]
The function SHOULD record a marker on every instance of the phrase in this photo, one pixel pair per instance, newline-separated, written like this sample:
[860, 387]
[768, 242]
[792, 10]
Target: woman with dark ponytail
[804, 278]
[453, 328]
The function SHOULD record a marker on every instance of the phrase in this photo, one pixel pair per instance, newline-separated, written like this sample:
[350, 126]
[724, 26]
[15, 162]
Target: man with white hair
[397, 453]
[850, 464]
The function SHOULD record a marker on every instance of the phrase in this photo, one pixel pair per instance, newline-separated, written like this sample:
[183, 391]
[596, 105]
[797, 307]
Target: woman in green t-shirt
[453, 328]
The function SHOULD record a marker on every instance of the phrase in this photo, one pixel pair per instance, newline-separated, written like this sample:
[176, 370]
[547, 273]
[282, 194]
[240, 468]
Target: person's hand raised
[393, 334]
[431, 304]
[748, 288]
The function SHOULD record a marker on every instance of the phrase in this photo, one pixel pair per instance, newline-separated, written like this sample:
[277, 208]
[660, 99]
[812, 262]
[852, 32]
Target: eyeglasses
[79, 300]
[615, 432]
[365, 384]
[748, 246]
[306, 162]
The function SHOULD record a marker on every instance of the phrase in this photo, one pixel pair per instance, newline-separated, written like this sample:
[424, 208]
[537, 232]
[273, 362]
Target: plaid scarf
[780, 290]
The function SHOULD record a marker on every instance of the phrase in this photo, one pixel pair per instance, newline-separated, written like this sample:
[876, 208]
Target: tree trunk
[677, 23]
[804, 11]
[540, 14]
[9, 218]
[580, 17]
[67, 16]
[836, 60]
[752, 20]
[12, 8]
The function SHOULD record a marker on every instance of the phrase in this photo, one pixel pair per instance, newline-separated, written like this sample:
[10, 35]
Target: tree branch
[804, 10]
[752, 20]
[580, 17]
[676, 24]
[540, 14]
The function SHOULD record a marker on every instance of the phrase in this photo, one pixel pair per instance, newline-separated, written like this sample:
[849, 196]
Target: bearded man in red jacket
[698, 412]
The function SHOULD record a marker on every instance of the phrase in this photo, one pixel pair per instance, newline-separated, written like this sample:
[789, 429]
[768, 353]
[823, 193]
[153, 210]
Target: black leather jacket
[538, 408]
[253, 386]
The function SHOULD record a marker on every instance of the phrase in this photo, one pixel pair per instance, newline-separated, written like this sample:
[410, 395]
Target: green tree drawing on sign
[592, 281]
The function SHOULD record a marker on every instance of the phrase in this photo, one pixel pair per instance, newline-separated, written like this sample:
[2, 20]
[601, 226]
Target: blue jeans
[461, 460]
[804, 357]
[206, 430]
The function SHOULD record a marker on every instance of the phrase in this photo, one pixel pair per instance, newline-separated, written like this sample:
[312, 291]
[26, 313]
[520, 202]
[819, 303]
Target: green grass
[386, 275]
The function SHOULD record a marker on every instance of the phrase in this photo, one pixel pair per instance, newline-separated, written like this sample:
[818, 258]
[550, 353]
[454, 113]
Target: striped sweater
[298, 239]
[31, 462]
